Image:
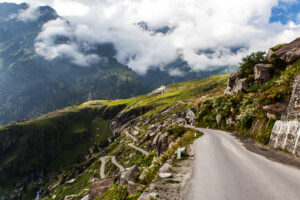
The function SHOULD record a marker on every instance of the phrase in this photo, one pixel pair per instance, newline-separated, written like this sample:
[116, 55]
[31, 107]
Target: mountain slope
[31, 85]
[68, 143]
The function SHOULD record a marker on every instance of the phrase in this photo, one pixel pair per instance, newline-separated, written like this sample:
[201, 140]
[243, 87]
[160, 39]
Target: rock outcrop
[289, 52]
[99, 187]
[236, 85]
[274, 111]
[261, 73]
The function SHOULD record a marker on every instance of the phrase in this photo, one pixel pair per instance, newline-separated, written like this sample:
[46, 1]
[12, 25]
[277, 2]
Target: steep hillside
[257, 96]
[31, 85]
[63, 151]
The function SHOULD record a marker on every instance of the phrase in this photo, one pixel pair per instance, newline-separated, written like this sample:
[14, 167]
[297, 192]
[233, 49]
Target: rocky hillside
[125, 149]
[257, 95]
[85, 149]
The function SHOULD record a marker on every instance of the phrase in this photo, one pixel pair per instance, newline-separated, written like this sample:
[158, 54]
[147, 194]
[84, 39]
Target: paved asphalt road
[225, 170]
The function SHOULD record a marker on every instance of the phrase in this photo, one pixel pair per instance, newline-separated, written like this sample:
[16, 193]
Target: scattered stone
[71, 181]
[165, 175]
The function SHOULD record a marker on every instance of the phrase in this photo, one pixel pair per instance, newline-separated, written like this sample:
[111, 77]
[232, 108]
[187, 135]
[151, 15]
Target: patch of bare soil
[270, 153]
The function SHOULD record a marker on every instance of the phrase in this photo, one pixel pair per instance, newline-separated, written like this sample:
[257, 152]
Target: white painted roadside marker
[179, 150]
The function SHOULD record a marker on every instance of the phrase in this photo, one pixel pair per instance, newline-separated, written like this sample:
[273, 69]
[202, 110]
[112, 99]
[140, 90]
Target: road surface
[139, 149]
[103, 163]
[225, 170]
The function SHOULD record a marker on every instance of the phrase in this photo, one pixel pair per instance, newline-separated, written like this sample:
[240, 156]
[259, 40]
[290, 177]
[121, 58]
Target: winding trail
[131, 136]
[225, 170]
[139, 149]
[103, 162]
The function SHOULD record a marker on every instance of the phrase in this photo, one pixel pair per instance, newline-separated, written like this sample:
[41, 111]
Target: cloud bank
[206, 34]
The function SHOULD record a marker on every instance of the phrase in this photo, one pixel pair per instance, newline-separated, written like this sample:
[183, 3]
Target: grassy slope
[78, 130]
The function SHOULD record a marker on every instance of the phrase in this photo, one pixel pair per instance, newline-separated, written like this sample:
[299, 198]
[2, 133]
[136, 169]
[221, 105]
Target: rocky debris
[289, 52]
[261, 73]
[71, 181]
[190, 115]
[236, 85]
[275, 110]
[152, 127]
[129, 174]
[99, 187]
[155, 140]
[162, 144]
[165, 175]
[174, 187]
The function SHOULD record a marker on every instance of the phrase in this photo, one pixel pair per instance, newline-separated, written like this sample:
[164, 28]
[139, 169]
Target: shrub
[248, 63]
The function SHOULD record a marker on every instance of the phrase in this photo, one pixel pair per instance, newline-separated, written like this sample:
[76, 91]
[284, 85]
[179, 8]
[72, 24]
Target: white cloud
[47, 46]
[200, 24]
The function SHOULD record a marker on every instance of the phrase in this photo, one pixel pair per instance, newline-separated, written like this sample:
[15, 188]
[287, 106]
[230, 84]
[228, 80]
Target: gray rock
[128, 175]
[261, 73]
[190, 115]
[162, 144]
[289, 52]
[165, 175]
[236, 85]
[99, 187]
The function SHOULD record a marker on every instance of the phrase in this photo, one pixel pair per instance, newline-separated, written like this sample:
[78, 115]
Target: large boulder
[261, 73]
[129, 174]
[99, 187]
[289, 52]
[236, 85]
[162, 144]
[190, 115]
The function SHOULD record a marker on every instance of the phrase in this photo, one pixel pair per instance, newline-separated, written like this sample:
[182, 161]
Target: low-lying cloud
[230, 29]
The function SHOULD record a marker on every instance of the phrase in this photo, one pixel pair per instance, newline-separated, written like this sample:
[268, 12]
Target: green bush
[176, 131]
[248, 63]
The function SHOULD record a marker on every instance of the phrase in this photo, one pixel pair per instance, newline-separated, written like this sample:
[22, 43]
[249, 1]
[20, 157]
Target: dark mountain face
[30, 85]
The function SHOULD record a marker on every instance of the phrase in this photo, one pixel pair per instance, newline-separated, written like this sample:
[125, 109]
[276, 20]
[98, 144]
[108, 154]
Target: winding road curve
[139, 149]
[103, 162]
[225, 170]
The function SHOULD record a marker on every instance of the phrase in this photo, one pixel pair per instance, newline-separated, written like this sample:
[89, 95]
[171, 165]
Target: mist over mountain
[43, 69]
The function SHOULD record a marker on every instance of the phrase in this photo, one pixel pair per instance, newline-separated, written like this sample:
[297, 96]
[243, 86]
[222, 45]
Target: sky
[206, 34]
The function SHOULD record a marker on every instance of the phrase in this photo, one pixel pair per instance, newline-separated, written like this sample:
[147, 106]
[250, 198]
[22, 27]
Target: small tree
[248, 63]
